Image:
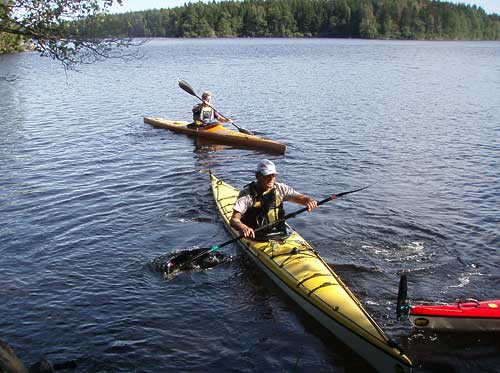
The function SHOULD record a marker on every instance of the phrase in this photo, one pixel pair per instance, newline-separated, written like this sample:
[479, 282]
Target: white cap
[266, 167]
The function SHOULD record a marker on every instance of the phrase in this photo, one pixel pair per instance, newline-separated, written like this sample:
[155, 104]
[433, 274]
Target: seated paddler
[261, 203]
[204, 115]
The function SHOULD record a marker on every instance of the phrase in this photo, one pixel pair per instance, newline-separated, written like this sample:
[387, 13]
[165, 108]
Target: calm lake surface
[90, 195]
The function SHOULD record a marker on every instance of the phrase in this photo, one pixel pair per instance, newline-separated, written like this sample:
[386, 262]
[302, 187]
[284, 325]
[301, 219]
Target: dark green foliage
[63, 30]
[381, 19]
[11, 43]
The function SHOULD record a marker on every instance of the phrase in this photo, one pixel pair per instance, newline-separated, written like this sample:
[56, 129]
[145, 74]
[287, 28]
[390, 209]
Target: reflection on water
[204, 146]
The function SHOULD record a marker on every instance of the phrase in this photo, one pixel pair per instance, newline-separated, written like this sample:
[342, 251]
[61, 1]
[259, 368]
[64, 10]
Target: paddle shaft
[270, 225]
[186, 87]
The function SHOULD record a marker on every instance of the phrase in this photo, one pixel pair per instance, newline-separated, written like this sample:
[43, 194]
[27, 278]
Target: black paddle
[282, 220]
[186, 87]
[402, 305]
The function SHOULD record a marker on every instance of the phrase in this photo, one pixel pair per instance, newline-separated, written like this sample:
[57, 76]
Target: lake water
[90, 195]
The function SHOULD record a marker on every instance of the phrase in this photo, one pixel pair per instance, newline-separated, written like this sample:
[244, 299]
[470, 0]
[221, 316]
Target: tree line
[369, 19]
[83, 31]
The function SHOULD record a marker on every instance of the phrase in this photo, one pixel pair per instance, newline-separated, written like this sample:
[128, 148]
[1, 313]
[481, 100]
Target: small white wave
[415, 246]
[123, 343]
[465, 278]
[462, 281]
[376, 250]
[411, 252]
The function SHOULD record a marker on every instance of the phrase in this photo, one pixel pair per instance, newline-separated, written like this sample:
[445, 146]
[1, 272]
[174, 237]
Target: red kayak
[464, 316]
[467, 316]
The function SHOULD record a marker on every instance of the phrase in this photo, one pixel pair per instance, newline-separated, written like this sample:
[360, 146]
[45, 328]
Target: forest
[368, 19]
[74, 31]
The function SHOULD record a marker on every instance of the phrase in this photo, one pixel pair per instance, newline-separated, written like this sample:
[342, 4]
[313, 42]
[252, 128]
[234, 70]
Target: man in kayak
[261, 203]
[204, 114]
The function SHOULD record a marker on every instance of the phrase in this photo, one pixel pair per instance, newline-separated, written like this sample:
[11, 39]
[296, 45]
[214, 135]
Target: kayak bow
[468, 315]
[464, 316]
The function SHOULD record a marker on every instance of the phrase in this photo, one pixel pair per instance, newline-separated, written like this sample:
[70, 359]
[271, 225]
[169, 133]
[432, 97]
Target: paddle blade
[188, 259]
[185, 86]
[402, 305]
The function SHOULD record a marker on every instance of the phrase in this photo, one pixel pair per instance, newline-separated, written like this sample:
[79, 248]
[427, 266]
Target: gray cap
[266, 167]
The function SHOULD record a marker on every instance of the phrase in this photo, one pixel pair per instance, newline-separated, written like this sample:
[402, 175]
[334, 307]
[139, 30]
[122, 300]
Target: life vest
[206, 114]
[266, 208]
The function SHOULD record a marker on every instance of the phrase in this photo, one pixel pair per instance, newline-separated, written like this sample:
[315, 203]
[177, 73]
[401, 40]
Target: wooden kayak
[218, 133]
[464, 316]
[303, 275]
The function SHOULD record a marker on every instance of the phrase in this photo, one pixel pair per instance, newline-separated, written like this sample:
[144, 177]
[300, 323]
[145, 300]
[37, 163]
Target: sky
[490, 6]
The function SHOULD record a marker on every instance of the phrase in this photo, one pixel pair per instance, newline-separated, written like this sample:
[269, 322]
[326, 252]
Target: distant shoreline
[30, 47]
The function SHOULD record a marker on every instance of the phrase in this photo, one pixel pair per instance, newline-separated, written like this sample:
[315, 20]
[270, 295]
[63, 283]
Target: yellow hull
[299, 271]
[219, 134]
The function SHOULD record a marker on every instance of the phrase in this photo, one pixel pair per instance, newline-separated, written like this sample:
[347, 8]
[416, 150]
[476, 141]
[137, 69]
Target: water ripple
[89, 195]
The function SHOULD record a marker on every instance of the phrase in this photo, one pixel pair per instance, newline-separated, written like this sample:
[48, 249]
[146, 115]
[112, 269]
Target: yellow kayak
[302, 274]
[220, 134]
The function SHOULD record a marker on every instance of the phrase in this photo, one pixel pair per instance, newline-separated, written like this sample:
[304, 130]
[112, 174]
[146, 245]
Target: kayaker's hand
[247, 231]
[311, 204]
